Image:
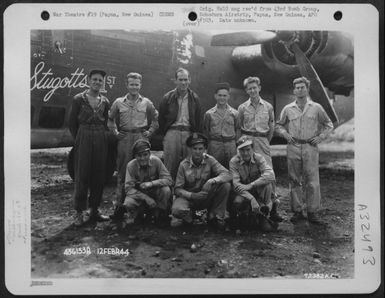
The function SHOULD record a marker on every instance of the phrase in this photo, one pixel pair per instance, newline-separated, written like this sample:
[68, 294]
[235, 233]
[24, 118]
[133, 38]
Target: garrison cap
[220, 86]
[140, 146]
[243, 142]
[196, 138]
[99, 71]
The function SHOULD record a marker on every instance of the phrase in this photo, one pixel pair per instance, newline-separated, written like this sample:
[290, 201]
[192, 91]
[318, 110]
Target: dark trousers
[90, 150]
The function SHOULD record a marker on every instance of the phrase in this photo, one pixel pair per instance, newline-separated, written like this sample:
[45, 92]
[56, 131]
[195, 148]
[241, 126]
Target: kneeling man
[201, 183]
[253, 180]
[147, 185]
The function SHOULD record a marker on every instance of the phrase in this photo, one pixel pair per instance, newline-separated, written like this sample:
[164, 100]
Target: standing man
[256, 118]
[88, 127]
[137, 118]
[220, 125]
[304, 124]
[147, 185]
[253, 180]
[202, 183]
[179, 116]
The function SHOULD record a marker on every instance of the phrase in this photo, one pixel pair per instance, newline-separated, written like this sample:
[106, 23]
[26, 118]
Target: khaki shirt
[156, 173]
[133, 115]
[257, 171]
[256, 118]
[312, 121]
[192, 178]
[216, 125]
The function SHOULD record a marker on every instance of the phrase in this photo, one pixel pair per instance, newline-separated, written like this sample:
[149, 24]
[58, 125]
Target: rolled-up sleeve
[280, 125]
[153, 117]
[267, 173]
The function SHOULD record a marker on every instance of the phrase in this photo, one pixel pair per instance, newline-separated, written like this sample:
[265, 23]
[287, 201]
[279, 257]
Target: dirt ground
[147, 251]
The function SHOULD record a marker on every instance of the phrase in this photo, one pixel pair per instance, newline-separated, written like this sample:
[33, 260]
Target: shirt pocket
[294, 124]
[190, 176]
[85, 113]
[311, 125]
[254, 174]
[311, 119]
[249, 119]
[139, 116]
[229, 126]
[262, 120]
[124, 110]
[206, 173]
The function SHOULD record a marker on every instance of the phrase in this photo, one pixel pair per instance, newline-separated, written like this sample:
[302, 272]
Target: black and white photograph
[168, 144]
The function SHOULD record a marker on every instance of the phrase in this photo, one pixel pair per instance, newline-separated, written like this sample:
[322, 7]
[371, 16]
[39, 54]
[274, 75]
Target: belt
[254, 133]
[180, 127]
[300, 141]
[222, 139]
[134, 130]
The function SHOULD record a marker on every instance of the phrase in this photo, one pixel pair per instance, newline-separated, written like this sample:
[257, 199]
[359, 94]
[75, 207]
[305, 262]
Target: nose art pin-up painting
[216, 144]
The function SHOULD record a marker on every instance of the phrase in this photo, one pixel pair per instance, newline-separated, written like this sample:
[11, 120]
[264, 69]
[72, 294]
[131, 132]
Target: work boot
[274, 216]
[297, 216]
[78, 219]
[265, 224]
[96, 216]
[264, 210]
[118, 213]
[314, 219]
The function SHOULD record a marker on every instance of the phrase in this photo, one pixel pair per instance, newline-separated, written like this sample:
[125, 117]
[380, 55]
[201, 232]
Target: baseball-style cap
[99, 71]
[220, 86]
[196, 138]
[243, 142]
[141, 146]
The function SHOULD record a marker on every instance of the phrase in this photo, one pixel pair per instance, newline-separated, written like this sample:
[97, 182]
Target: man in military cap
[147, 185]
[252, 181]
[131, 117]
[220, 125]
[201, 183]
[256, 118]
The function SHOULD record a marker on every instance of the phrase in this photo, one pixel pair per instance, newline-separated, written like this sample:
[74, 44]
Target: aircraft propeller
[317, 89]
[290, 39]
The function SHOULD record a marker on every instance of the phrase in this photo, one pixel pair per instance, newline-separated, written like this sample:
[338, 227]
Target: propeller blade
[317, 90]
[245, 38]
